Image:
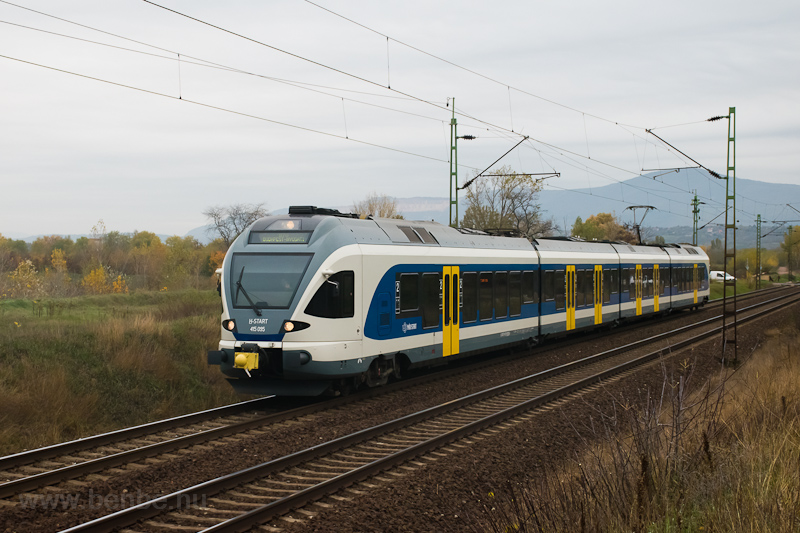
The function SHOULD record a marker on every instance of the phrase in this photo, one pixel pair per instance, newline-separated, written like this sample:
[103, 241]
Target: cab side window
[335, 298]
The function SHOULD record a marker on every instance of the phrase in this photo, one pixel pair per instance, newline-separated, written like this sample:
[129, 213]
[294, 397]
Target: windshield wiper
[246, 295]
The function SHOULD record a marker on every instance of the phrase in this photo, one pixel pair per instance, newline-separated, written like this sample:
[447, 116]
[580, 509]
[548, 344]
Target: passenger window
[549, 286]
[515, 293]
[528, 287]
[469, 310]
[625, 281]
[485, 303]
[430, 300]
[583, 298]
[335, 298]
[607, 276]
[409, 292]
[613, 275]
[560, 284]
[501, 294]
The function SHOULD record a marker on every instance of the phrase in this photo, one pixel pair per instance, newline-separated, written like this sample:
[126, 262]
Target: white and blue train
[317, 302]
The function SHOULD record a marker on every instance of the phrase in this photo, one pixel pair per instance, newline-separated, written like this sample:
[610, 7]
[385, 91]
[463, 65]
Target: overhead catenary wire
[317, 63]
[209, 64]
[359, 77]
[456, 65]
[226, 110]
[301, 85]
[182, 59]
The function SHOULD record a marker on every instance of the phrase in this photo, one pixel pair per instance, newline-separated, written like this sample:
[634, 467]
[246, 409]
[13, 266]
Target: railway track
[103, 456]
[255, 496]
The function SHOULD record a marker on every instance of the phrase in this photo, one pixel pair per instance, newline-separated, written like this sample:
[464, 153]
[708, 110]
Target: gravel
[427, 499]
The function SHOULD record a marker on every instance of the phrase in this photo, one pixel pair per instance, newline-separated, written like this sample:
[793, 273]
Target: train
[320, 302]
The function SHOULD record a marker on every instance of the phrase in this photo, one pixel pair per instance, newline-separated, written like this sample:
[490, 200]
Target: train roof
[311, 224]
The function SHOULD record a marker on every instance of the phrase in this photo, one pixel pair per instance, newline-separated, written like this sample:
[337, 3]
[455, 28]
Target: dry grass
[724, 458]
[103, 363]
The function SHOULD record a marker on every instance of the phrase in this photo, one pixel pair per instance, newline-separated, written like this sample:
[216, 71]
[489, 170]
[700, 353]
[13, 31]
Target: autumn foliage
[106, 262]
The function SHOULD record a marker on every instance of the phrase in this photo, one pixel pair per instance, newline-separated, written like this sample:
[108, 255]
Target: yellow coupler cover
[246, 360]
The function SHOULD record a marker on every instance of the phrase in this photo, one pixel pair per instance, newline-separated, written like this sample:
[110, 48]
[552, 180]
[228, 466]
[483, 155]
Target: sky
[135, 114]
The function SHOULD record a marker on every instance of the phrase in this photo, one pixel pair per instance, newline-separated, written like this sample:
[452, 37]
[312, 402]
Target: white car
[719, 275]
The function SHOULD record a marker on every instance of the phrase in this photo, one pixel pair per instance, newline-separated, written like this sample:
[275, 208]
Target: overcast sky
[583, 79]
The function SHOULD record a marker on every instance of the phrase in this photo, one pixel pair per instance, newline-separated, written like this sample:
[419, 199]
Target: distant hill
[667, 192]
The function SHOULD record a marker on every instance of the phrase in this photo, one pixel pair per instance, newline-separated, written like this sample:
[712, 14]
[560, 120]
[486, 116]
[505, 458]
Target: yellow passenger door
[570, 288]
[656, 287]
[598, 294]
[639, 288]
[451, 299]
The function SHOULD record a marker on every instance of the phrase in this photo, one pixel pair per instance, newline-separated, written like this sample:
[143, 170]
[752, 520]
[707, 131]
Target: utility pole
[729, 337]
[454, 166]
[453, 169]
[696, 212]
[789, 245]
[758, 252]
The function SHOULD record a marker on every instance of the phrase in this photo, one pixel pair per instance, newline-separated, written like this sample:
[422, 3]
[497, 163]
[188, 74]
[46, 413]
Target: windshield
[266, 281]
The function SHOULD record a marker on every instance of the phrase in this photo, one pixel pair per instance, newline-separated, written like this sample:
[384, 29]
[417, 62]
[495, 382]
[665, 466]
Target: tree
[148, 255]
[56, 279]
[377, 205]
[603, 226]
[230, 221]
[506, 201]
[41, 249]
[789, 245]
[117, 251]
[25, 283]
[715, 254]
[96, 281]
[184, 258]
[11, 253]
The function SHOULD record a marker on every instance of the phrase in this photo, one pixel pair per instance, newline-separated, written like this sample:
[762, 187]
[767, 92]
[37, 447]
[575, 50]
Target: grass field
[79, 366]
[742, 287]
[725, 459]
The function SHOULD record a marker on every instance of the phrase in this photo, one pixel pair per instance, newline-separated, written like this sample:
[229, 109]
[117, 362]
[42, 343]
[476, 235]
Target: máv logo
[408, 327]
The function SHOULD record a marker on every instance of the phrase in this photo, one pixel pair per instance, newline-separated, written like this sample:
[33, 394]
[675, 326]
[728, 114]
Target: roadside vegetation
[725, 458]
[73, 367]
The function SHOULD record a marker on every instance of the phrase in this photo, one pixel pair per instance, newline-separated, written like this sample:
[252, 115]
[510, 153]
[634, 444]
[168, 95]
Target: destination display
[279, 237]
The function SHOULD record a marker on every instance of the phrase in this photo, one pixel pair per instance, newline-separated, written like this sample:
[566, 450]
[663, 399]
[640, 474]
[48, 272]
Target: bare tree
[230, 221]
[506, 202]
[377, 205]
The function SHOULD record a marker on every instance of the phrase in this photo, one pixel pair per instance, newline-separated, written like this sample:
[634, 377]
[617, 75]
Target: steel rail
[159, 505]
[97, 465]
[299, 499]
[66, 448]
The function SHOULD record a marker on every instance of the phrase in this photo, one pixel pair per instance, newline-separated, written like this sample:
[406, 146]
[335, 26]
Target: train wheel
[378, 373]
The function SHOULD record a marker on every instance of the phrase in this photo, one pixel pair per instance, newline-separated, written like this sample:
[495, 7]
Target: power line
[463, 68]
[313, 62]
[301, 85]
[218, 108]
[209, 64]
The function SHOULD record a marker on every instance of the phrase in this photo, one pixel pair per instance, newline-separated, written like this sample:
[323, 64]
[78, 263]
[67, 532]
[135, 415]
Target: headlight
[294, 325]
[229, 324]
